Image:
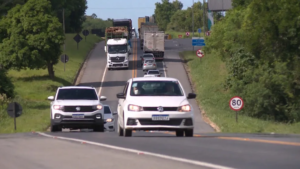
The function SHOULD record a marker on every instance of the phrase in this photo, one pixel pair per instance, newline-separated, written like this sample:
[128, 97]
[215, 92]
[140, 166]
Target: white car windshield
[155, 88]
[117, 49]
[76, 94]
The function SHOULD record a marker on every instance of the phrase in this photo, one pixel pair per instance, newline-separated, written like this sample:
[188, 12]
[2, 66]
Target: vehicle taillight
[145, 64]
[153, 64]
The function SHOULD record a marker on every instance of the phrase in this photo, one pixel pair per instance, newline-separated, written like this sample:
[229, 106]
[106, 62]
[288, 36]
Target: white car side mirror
[105, 48]
[51, 98]
[103, 98]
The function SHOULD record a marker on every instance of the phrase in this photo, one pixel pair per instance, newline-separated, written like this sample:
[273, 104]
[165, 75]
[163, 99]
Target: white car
[152, 73]
[109, 118]
[76, 107]
[155, 103]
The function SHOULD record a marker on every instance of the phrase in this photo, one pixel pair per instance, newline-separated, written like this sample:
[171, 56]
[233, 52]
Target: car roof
[154, 79]
[149, 59]
[145, 54]
[76, 87]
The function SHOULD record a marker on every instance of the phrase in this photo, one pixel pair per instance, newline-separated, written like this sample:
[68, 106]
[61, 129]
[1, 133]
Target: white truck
[154, 42]
[117, 47]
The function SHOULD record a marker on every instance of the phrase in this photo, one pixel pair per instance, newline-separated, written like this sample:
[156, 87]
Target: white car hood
[153, 101]
[77, 102]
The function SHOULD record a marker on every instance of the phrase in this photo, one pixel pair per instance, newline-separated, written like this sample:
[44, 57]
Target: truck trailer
[146, 27]
[124, 22]
[117, 47]
[154, 42]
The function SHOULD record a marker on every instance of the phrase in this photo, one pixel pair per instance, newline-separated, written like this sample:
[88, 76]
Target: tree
[96, 23]
[6, 86]
[34, 37]
[94, 16]
[164, 11]
[74, 13]
[6, 5]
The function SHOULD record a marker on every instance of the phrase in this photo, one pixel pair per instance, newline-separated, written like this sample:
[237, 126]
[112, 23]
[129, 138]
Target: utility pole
[65, 36]
[204, 18]
[193, 21]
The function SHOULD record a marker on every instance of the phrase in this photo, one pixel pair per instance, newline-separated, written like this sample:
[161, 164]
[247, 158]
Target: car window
[148, 61]
[107, 110]
[147, 56]
[76, 94]
[153, 72]
[156, 88]
[125, 88]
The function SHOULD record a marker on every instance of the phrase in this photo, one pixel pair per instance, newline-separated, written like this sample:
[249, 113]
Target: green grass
[207, 76]
[175, 34]
[33, 87]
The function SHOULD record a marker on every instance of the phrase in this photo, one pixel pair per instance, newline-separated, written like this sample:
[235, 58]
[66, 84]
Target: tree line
[169, 16]
[260, 43]
[31, 34]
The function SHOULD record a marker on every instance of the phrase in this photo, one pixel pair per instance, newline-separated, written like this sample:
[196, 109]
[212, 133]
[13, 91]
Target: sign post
[64, 58]
[236, 104]
[199, 53]
[85, 33]
[77, 39]
[199, 31]
[14, 110]
[187, 34]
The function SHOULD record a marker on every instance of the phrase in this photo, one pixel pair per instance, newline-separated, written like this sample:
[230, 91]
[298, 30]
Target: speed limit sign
[236, 103]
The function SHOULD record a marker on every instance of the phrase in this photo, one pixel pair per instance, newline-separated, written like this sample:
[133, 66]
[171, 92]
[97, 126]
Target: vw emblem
[78, 108]
[160, 109]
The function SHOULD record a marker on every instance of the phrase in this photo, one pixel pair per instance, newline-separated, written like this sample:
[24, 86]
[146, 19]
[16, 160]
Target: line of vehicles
[151, 102]
[118, 41]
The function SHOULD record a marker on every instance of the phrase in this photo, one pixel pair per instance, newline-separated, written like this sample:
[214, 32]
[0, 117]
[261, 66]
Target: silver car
[149, 64]
[109, 123]
[147, 56]
[152, 73]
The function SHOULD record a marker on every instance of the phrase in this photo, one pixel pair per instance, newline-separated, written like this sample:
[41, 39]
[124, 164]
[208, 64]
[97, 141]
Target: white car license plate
[77, 116]
[160, 117]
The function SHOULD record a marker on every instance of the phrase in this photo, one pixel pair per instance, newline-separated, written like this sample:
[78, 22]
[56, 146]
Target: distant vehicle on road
[109, 118]
[155, 103]
[148, 56]
[149, 64]
[152, 73]
[76, 107]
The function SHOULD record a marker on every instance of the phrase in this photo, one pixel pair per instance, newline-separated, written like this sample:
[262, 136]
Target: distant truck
[117, 47]
[154, 42]
[124, 22]
[146, 27]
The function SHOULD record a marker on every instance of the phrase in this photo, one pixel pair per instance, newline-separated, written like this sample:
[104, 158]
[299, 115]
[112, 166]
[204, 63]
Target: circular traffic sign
[236, 103]
[199, 53]
[187, 33]
[14, 109]
[64, 58]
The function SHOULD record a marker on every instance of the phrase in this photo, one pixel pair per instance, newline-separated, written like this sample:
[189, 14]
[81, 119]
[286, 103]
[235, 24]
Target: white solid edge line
[199, 163]
[103, 76]
[164, 68]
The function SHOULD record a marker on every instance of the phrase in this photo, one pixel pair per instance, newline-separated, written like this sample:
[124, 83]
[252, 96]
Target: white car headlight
[109, 120]
[185, 108]
[132, 107]
[58, 107]
[98, 107]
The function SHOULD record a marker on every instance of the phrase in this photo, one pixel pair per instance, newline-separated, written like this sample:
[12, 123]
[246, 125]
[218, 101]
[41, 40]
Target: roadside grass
[175, 34]
[33, 87]
[208, 75]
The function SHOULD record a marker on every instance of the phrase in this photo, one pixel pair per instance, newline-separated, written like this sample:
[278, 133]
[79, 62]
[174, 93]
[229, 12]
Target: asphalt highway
[207, 149]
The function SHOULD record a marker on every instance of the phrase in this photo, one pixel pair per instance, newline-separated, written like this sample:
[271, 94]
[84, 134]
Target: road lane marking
[164, 68]
[199, 163]
[260, 141]
[136, 64]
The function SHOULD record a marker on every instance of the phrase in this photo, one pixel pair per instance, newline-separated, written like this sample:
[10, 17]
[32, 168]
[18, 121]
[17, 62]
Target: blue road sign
[199, 30]
[198, 42]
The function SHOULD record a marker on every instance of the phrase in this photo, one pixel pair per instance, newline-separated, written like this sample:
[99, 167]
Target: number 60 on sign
[236, 103]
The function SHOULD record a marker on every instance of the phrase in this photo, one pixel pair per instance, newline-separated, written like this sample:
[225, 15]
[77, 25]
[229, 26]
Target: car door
[121, 105]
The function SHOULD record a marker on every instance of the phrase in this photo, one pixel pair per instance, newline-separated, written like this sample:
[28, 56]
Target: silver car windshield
[153, 72]
[155, 88]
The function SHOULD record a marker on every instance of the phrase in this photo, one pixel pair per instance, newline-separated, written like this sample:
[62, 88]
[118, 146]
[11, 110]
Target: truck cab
[117, 52]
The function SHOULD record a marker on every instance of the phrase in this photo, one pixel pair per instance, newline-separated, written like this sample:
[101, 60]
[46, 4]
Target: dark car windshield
[155, 88]
[117, 49]
[153, 72]
[147, 56]
[107, 110]
[149, 61]
[76, 94]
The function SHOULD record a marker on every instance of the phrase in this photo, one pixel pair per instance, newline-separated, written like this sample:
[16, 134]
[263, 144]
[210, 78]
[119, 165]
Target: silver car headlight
[185, 108]
[132, 107]
[109, 120]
